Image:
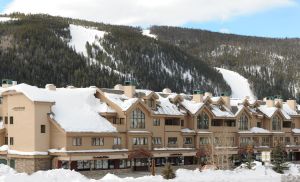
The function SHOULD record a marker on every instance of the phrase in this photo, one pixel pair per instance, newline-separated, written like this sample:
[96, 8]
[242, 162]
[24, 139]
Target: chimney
[207, 94]
[198, 96]
[226, 99]
[118, 87]
[292, 104]
[7, 83]
[129, 89]
[50, 87]
[270, 102]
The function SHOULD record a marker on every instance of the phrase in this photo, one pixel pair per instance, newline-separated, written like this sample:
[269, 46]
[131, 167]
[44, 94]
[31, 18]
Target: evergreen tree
[278, 155]
[168, 172]
[249, 157]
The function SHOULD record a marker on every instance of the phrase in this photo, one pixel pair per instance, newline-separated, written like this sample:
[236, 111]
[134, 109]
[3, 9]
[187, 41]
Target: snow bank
[6, 19]
[259, 173]
[80, 35]
[239, 85]
[148, 34]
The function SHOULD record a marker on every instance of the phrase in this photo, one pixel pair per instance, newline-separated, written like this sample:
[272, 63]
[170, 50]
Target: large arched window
[276, 123]
[137, 119]
[202, 121]
[243, 123]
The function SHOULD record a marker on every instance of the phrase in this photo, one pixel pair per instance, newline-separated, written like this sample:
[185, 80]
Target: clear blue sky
[277, 22]
[280, 22]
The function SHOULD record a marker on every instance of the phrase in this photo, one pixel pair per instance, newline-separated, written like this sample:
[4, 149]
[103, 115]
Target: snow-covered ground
[258, 174]
[5, 19]
[147, 33]
[239, 85]
[80, 35]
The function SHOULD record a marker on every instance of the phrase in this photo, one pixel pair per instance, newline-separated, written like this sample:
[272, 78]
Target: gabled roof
[224, 112]
[121, 101]
[166, 107]
[192, 106]
[75, 110]
[271, 111]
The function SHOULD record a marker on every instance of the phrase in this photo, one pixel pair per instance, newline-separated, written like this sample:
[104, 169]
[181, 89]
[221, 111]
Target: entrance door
[12, 163]
[141, 164]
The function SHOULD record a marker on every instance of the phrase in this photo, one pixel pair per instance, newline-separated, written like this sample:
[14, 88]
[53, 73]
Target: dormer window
[243, 122]
[151, 103]
[276, 123]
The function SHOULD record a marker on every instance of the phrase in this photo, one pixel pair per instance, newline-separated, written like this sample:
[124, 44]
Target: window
[118, 121]
[287, 124]
[172, 140]
[6, 120]
[258, 124]
[172, 122]
[276, 123]
[140, 141]
[182, 122]
[204, 140]
[287, 141]
[97, 141]
[188, 140]
[11, 140]
[77, 141]
[101, 164]
[156, 140]
[81, 165]
[117, 141]
[243, 122]
[1, 118]
[156, 122]
[43, 128]
[245, 140]
[11, 120]
[296, 140]
[6, 140]
[265, 141]
[151, 103]
[137, 119]
[202, 121]
[217, 141]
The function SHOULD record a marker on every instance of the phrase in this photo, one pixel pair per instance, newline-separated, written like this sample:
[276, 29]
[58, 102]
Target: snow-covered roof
[1, 124]
[31, 92]
[268, 111]
[165, 107]
[192, 106]
[187, 130]
[288, 110]
[296, 130]
[75, 110]
[104, 108]
[146, 92]
[221, 113]
[256, 130]
[121, 100]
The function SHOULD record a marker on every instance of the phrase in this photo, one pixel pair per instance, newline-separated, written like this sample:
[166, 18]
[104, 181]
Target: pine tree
[279, 159]
[249, 157]
[168, 172]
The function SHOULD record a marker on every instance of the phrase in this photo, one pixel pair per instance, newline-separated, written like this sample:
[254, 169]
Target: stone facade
[30, 165]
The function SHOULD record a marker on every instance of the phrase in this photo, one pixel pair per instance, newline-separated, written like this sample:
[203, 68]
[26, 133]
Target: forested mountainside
[272, 66]
[36, 49]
